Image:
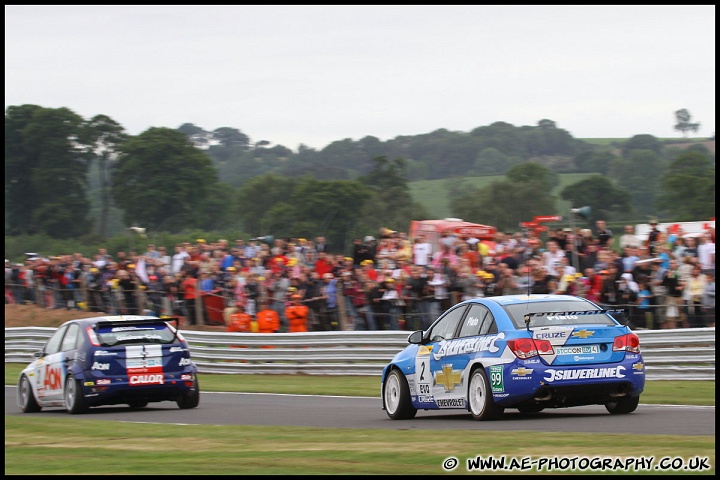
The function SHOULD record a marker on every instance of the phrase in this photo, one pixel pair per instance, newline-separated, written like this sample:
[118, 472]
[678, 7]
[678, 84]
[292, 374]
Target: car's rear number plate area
[578, 349]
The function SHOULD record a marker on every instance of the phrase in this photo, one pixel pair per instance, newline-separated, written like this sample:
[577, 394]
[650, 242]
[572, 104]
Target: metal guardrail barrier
[678, 354]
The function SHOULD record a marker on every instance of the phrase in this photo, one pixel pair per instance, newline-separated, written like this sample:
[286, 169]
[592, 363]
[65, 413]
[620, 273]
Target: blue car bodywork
[528, 352]
[110, 360]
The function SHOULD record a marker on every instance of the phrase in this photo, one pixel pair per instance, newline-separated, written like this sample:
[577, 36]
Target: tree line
[67, 177]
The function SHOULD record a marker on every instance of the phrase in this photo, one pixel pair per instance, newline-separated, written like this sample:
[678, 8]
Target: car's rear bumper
[122, 392]
[566, 386]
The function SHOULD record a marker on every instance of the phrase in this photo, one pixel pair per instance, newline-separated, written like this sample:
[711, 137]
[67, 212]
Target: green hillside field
[433, 194]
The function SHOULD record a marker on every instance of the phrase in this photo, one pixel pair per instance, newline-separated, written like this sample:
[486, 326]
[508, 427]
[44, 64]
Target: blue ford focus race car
[110, 360]
[527, 352]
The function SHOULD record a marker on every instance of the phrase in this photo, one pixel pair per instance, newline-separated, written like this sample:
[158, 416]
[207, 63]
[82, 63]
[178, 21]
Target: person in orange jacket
[297, 314]
[239, 321]
[268, 319]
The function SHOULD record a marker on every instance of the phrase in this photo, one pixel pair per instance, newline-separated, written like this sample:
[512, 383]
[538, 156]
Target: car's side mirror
[416, 337]
[38, 355]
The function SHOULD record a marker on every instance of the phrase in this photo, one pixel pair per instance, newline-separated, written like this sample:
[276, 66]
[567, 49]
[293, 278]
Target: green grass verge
[35, 446]
[656, 392]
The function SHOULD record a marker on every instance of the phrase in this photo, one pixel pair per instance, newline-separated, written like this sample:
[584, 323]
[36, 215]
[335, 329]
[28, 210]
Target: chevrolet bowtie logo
[522, 371]
[583, 334]
[448, 378]
[638, 366]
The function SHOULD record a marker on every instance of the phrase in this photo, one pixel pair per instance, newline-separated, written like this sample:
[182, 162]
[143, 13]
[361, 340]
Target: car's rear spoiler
[579, 312]
[135, 322]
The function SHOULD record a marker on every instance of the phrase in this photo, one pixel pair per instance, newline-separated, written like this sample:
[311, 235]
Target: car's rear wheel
[396, 391]
[74, 399]
[190, 399]
[480, 399]
[27, 397]
[623, 405]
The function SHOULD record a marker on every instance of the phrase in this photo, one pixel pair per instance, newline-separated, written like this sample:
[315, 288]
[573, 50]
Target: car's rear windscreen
[158, 333]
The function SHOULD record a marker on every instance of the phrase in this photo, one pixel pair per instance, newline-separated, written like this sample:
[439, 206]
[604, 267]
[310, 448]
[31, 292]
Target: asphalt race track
[218, 408]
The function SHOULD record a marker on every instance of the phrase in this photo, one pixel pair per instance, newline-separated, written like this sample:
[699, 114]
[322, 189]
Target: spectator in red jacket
[323, 264]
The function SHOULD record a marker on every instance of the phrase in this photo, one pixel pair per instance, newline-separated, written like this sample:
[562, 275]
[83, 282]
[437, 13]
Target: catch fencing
[677, 354]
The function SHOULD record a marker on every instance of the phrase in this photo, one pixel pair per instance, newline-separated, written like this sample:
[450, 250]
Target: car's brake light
[175, 331]
[527, 347]
[629, 342]
[93, 337]
[544, 347]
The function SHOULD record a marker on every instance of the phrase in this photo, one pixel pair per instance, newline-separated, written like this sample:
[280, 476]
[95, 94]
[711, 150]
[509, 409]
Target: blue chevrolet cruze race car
[527, 352]
[110, 360]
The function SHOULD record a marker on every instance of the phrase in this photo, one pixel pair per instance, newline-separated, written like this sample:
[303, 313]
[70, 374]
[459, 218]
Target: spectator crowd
[390, 283]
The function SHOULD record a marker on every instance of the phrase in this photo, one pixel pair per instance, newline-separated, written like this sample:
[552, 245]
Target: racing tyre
[480, 399]
[27, 398]
[138, 404]
[397, 397]
[623, 405]
[190, 399]
[74, 399]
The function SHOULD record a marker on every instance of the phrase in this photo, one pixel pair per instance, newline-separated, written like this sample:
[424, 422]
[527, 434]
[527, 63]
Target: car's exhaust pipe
[543, 394]
[621, 391]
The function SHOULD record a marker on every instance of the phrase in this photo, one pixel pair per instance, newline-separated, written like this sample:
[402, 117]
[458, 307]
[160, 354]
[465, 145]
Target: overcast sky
[312, 75]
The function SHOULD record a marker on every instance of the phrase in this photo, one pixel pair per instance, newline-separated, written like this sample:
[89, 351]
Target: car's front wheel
[623, 405]
[27, 398]
[397, 397]
[191, 399]
[480, 399]
[74, 399]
